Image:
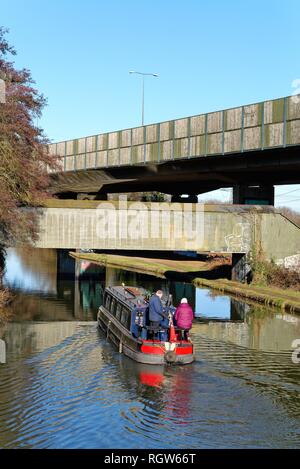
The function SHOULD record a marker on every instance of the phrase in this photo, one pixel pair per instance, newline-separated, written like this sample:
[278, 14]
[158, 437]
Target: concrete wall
[269, 124]
[280, 238]
[167, 226]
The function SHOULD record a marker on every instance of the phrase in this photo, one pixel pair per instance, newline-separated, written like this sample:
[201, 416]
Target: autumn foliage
[24, 158]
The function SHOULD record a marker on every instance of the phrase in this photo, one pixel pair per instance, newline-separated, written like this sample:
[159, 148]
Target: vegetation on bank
[266, 273]
[269, 274]
[5, 299]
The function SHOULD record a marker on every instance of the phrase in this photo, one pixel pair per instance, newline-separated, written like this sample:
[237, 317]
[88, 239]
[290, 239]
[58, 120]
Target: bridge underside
[192, 176]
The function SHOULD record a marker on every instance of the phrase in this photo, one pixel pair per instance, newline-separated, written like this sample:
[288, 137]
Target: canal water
[64, 386]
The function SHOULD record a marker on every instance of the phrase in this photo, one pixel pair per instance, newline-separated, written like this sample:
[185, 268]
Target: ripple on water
[80, 393]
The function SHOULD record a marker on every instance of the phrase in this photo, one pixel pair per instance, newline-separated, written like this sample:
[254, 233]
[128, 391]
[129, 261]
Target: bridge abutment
[240, 268]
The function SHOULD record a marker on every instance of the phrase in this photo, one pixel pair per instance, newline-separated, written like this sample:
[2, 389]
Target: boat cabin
[130, 306]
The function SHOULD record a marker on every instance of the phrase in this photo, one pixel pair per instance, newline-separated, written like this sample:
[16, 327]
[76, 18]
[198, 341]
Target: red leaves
[23, 153]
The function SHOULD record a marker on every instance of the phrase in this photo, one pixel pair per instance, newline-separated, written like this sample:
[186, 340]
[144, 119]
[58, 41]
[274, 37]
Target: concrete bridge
[70, 224]
[256, 144]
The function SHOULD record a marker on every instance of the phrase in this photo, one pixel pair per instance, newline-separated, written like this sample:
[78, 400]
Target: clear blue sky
[209, 56]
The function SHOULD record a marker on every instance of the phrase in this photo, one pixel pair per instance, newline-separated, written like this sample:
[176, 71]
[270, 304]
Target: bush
[269, 274]
[5, 297]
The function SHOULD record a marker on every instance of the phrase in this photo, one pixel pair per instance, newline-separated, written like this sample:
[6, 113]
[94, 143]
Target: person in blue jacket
[156, 309]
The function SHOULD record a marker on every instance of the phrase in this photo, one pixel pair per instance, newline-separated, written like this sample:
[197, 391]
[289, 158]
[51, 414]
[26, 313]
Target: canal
[64, 386]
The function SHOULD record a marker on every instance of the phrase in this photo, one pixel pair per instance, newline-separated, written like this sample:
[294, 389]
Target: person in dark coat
[156, 309]
[184, 316]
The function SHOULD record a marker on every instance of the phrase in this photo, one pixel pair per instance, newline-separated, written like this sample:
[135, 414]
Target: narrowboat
[124, 317]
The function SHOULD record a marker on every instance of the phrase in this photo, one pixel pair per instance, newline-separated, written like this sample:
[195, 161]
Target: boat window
[107, 301]
[125, 317]
[118, 311]
[113, 306]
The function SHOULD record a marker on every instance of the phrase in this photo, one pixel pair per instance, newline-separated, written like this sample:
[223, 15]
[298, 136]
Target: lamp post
[143, 89]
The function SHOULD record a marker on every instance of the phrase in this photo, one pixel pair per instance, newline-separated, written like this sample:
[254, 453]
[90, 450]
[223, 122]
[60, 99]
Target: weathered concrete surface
[252, 144]
[268, 124]
[167, 226]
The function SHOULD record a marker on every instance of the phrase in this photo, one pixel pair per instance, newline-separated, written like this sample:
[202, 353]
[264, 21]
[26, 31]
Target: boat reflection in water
[151, 377]
[168, 391]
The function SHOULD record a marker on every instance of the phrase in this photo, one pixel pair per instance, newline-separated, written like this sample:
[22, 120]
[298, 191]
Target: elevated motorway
[255, 144]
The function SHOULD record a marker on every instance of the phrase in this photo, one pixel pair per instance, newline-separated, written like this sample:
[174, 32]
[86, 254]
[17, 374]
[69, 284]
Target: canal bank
[287, 300]
[186, 269]
[210, 274]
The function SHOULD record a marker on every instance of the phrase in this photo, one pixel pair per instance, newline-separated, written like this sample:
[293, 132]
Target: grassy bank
[287, 300]
[163, 268]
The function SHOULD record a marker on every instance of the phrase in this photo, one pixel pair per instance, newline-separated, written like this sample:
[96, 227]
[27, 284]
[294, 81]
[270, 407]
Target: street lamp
[143, 88]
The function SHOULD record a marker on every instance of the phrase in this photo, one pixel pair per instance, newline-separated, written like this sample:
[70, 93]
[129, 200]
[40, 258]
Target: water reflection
[67, 387]
[51, 285]
[32, 270]
[25, 338]
[70, 290]
[2, 351]
[213, 305]
[261, 329]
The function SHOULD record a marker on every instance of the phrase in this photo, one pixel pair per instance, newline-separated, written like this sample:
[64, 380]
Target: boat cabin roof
[132, 296]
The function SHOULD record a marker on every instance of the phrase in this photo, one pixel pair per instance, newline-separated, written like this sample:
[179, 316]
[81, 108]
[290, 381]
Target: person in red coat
[184, 316]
